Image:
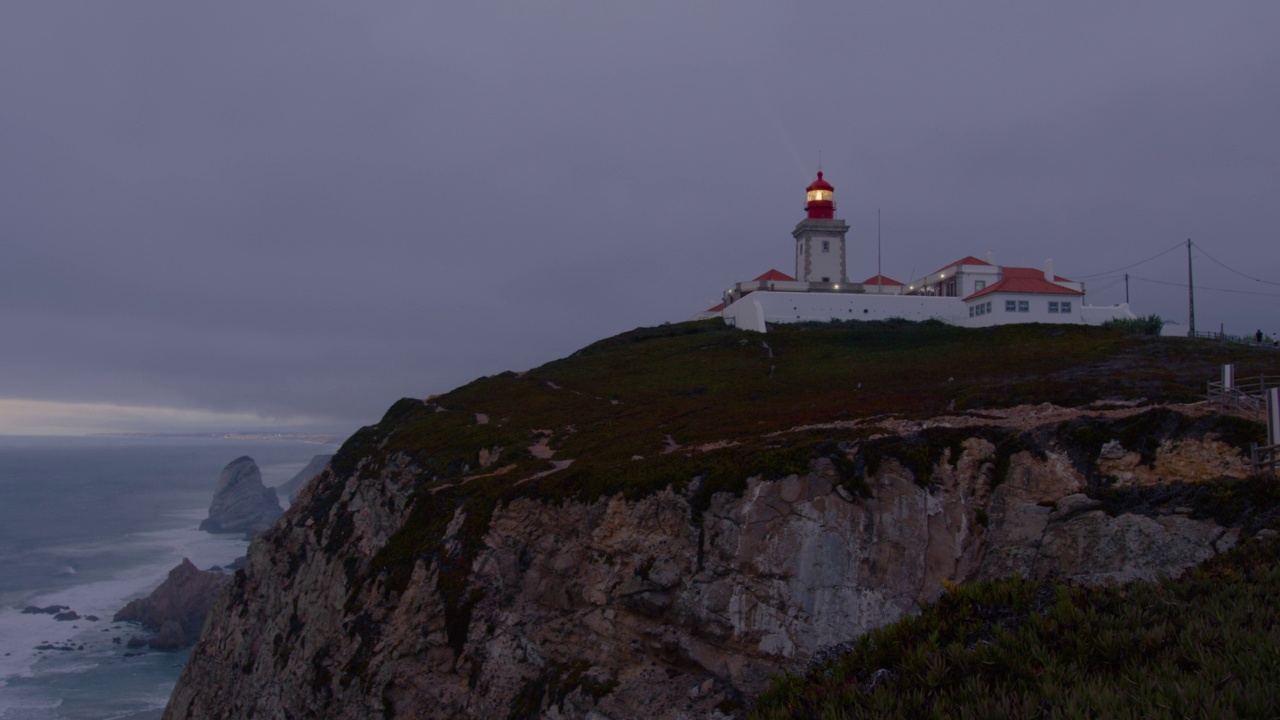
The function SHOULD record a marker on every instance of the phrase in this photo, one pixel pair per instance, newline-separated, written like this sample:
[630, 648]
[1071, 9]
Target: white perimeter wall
[1092, 315]
[758, 308]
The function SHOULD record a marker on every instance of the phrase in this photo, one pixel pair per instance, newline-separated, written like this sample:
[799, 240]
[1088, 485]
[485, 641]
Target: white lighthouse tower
[820, 252]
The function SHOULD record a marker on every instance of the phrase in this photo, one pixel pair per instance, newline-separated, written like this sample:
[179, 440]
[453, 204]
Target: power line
[1106, 287]
[1224, 265]
[1201, 287]
[1126, 267]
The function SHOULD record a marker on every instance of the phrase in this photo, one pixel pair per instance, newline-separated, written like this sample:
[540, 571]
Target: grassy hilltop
[638, 393]
[662, 406]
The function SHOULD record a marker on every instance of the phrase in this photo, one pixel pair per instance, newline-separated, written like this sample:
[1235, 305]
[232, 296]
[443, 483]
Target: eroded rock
[241, 503]
[176, 610]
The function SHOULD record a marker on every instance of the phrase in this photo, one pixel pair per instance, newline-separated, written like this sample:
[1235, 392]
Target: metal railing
[1243, 397]
[1264, 457]
[1238, 339]
[1255, 398]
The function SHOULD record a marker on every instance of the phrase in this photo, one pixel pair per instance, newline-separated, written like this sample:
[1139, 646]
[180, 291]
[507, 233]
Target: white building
[969, 292]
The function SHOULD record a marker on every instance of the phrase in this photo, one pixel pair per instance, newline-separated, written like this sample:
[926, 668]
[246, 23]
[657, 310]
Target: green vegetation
[1206, 646]
[1146, 325]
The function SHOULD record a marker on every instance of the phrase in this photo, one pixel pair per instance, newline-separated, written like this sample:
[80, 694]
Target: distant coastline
[311, 438]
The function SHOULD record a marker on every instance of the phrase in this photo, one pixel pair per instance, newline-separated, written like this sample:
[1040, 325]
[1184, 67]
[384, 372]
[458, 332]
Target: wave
[23, 634]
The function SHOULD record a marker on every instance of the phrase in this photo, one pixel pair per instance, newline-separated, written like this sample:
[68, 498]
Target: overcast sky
[298, 212]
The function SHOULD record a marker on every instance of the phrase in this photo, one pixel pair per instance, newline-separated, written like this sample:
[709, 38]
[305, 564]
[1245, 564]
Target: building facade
[968, 292]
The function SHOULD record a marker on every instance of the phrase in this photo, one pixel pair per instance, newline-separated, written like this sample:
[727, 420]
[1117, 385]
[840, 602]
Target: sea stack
[176, 610]
[242, 504]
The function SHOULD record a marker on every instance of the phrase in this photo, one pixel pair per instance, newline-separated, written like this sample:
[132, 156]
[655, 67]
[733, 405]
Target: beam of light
[42, 417]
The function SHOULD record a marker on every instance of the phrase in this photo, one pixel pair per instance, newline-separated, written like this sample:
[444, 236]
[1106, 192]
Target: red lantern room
[820, 199]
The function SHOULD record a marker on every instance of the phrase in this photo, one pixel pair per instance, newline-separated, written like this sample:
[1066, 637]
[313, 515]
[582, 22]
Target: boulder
[295, 484]
[242, 504]
[176, 610]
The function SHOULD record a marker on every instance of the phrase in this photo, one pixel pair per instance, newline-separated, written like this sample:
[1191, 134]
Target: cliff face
[570, 609]
[652, 526]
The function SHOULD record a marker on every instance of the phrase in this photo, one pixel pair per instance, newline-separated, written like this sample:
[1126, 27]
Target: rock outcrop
[290, 488]
[176, 610]
[242, 504]
[681, 601]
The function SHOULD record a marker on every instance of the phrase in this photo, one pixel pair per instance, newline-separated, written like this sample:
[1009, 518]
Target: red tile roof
[1026, 284]
[968, 260]
[882, 280]
[716, 308]
[776, 275]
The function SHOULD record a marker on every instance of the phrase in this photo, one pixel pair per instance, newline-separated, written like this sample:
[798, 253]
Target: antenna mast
[879, 272]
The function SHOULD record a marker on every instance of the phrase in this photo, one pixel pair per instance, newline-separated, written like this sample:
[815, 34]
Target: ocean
[91, 523]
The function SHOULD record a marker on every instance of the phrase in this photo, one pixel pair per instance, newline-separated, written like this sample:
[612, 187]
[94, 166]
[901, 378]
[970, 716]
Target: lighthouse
[820, 250]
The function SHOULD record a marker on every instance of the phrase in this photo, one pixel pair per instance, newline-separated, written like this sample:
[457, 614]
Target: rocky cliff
[290, 488]
[241, 503]
[176, 610]
[583, 542]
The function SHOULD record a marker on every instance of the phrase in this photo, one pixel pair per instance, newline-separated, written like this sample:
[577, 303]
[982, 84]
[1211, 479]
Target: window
[971, 309]
[1053, 306]
[1024, 306]
[1010, 306]
[988, 306]
[979, 285]
[826, 246]
[1066, 307]
[826, 279]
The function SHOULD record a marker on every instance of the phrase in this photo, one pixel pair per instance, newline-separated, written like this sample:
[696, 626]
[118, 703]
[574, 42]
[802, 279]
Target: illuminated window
[819, 195]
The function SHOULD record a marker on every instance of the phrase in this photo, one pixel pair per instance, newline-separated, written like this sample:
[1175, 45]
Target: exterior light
[837, 286]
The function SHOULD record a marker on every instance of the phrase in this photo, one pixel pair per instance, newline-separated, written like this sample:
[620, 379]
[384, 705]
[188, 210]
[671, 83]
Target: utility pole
[1126, 288]
[1191, 291]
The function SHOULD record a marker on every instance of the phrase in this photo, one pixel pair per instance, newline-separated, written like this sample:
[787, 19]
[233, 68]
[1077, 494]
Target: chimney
[991, 258]
[1048, 269]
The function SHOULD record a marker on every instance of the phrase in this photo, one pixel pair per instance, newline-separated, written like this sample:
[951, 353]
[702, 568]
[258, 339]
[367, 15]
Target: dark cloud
[313, 208]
